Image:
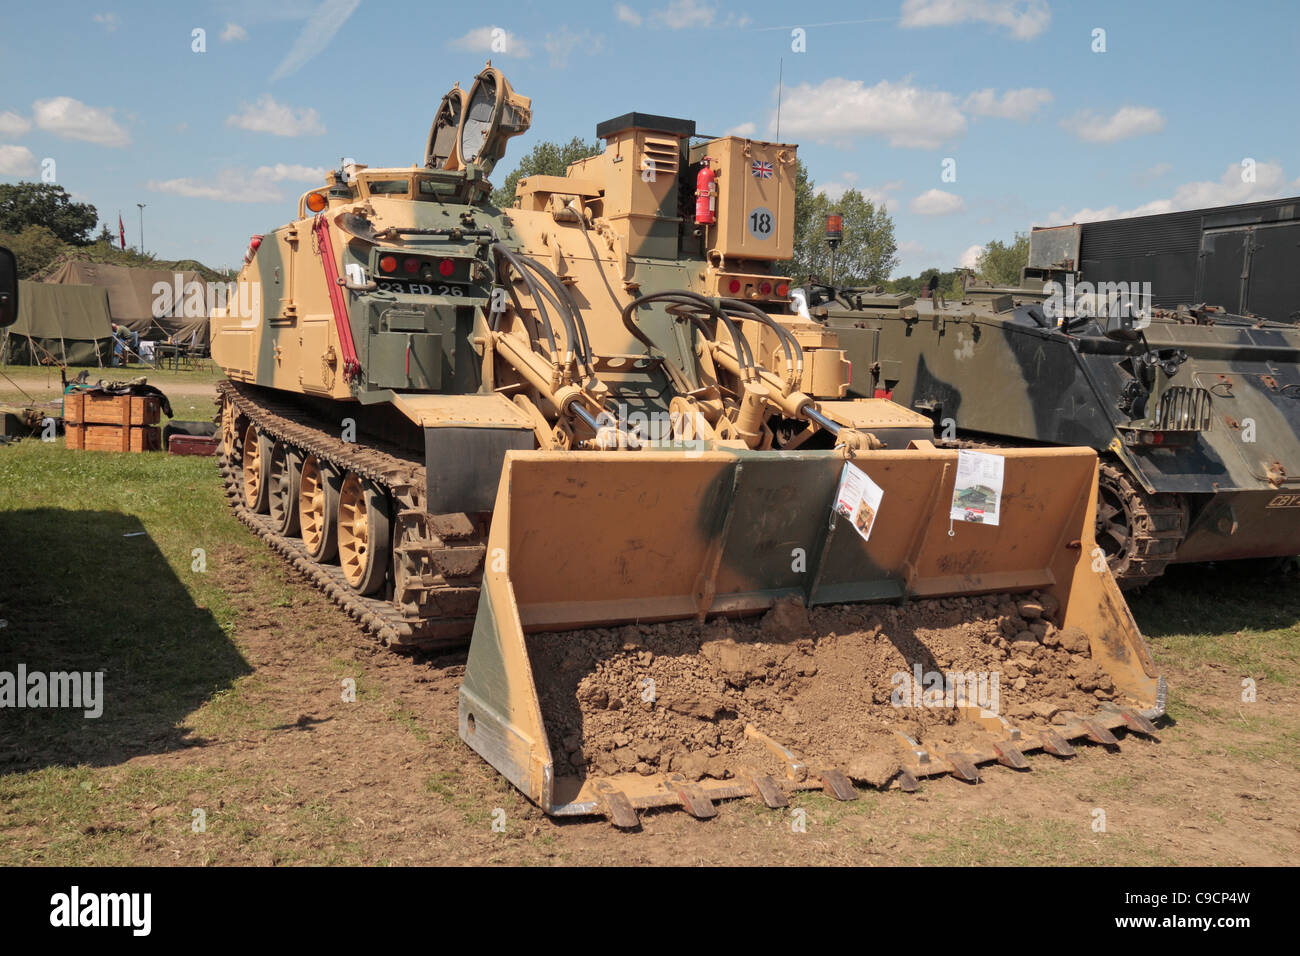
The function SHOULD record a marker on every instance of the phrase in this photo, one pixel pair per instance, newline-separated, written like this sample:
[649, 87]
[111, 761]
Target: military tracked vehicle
[1194, 411]
[595, 408]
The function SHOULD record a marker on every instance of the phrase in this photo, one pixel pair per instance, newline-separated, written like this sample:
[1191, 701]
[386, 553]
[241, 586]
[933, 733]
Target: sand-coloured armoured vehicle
[596, 409]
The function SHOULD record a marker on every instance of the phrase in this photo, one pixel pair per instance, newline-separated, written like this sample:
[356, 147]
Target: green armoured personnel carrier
[1195, 412]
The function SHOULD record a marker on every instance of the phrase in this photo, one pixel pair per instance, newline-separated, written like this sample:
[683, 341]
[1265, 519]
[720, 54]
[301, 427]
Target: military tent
[157, 303]
[65, 324]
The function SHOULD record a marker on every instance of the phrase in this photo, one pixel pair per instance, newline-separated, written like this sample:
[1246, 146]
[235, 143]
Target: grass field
[222, 706]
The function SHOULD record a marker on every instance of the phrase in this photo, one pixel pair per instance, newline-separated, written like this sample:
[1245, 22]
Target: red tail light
[446, 267]
[765, 288]
[783, 289]
[733, 286]
[388, 264]
[411, 265]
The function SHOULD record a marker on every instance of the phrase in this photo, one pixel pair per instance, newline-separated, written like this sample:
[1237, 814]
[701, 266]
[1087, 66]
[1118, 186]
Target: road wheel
[286, 478]
[364, 540]
[318, 504]
[232, 428]
[257, 470]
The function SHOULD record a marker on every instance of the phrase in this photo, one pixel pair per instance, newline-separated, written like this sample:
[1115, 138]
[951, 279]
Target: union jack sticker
[760, 169]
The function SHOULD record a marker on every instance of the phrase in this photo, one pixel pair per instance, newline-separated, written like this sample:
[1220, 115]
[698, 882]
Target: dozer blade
[583, 540]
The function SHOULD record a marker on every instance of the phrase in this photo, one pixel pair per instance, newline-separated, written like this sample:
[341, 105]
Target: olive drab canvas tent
[159, 304]
[59, 325]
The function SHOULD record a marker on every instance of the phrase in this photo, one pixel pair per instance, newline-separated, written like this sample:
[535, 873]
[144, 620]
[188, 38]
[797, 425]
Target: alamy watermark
[239, 299]
[635, 428]
[82, 690]
[934, 689]
[1128, 301]
[125, 910]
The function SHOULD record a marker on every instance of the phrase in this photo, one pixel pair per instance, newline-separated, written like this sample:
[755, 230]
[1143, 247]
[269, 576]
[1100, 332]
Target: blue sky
[1042, 128]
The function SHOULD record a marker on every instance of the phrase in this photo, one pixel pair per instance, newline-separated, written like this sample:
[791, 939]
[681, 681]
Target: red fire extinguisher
[706, 197]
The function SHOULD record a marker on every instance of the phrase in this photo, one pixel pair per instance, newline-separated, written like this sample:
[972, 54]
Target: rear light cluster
[418, 267]
[1153, 438]
[765, 288]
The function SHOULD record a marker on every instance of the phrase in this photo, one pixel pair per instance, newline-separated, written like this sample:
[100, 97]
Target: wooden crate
[98, 422]
[96, 408]
[113, 437]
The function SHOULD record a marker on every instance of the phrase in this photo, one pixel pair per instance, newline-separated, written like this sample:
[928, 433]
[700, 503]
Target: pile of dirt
[832, 684]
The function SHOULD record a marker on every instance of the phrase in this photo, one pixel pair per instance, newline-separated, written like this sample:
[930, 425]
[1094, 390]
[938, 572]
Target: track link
[1156, 526]
[437, 566]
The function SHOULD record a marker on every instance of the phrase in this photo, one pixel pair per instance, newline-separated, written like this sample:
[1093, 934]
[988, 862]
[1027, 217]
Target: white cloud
[240, 185]
[744, 129]
[1152, 173]
[912, 258]
[833, 190]
[1013, 104]
[316, 34]
[268, 116]
[878, 195]
[109, 21]
[72, 119]
[234, 33]
[563, 43]
[1270, 182]
[11, 124]
[936, 202]
[683, 14]
[17, 161]
[1023, 19]
[1126, 122]
[282, 172]
[495, 41]
[971, 257]
[840, 109]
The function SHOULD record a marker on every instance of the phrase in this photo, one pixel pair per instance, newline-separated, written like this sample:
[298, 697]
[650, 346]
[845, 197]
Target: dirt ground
[386, 780]
[228, 739]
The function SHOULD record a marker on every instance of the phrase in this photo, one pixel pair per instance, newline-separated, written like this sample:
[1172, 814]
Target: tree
[949, 283]
[48, 205]
[1001, 262]
[866, 255]
[545, 159]
[34, 247]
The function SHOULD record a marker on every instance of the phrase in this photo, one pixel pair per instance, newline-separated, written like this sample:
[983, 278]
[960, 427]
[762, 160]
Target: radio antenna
[780, 79]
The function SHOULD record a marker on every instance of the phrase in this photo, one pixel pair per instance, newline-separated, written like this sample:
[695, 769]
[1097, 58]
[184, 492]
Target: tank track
[437, 564]
[1158, 525]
